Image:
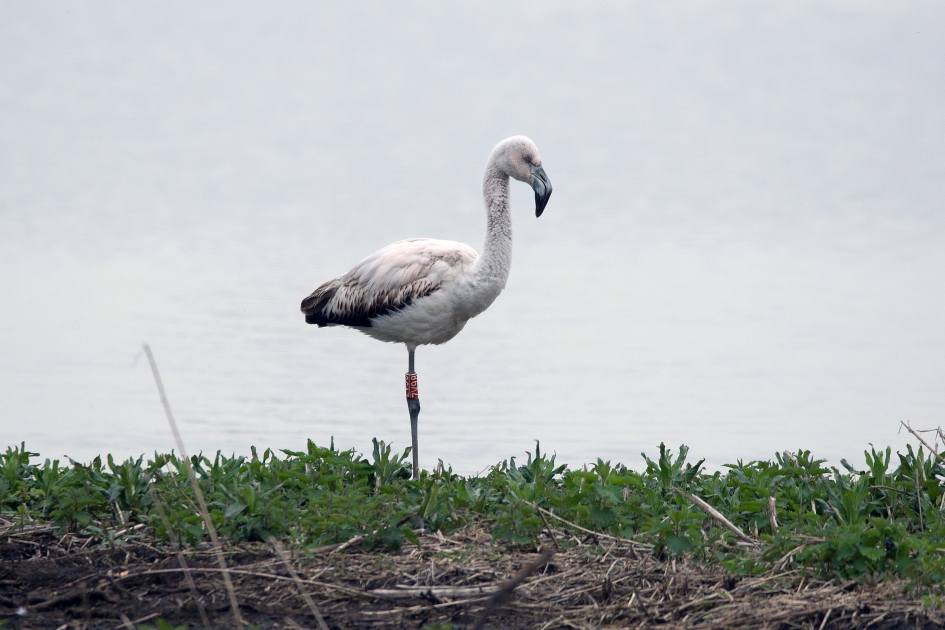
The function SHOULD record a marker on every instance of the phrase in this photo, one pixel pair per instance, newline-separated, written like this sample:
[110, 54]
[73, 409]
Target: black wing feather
[357, 313]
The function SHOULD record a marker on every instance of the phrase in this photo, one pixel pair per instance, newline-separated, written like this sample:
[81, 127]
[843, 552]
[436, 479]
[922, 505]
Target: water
[744, 249]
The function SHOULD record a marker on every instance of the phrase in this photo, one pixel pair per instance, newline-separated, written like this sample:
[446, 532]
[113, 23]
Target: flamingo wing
[388, 280]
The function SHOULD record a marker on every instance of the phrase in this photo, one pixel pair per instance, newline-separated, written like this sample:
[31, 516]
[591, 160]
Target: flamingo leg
[413, 406]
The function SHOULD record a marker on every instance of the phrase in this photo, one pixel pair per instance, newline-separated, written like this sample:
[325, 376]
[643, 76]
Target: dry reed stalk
[435, 592]
[711, 511]
[204, 512]
[298, 582]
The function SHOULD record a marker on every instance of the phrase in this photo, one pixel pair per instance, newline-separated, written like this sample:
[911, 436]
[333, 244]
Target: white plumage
[411, 291]
[423, 291]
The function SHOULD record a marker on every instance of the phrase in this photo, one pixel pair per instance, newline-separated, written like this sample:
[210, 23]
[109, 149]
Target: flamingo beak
[542, 187]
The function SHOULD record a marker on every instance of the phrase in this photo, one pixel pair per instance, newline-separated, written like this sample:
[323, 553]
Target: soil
[53, 581]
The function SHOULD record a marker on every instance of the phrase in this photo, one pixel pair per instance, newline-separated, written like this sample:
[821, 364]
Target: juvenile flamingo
[423, 291]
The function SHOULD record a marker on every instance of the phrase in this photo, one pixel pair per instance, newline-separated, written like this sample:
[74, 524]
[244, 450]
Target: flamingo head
[518, 158]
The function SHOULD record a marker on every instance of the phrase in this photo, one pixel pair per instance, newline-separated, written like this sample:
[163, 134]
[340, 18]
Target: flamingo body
[416, 291]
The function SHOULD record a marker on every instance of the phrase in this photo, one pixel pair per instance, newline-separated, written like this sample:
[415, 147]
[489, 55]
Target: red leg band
[412, 391]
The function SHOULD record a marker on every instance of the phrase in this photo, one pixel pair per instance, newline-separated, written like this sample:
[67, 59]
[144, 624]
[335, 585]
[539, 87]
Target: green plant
[884, 520]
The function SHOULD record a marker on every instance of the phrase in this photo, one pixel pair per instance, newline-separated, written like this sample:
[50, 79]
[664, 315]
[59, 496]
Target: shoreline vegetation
[327, 538]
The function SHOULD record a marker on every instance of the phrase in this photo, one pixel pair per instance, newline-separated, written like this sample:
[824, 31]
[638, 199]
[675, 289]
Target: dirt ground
[53, 581]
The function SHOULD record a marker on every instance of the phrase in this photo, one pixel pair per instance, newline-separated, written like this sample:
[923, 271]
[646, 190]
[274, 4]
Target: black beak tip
[542, 188]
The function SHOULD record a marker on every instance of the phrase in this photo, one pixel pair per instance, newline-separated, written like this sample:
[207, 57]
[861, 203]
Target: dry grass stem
[204, 512]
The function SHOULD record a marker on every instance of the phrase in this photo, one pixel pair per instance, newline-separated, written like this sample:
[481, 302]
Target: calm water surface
[744, 251]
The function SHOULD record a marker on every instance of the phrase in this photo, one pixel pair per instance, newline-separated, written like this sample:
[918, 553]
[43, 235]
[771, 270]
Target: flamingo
[423, 291]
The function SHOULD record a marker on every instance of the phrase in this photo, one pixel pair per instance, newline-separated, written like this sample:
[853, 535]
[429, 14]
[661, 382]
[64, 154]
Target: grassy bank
[883, 521]
[788, 540]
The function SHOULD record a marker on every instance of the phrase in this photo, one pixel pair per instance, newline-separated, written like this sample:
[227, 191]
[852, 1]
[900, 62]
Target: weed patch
[879, 525]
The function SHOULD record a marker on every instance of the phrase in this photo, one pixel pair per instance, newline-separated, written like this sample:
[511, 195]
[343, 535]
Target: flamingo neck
[496, 260]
